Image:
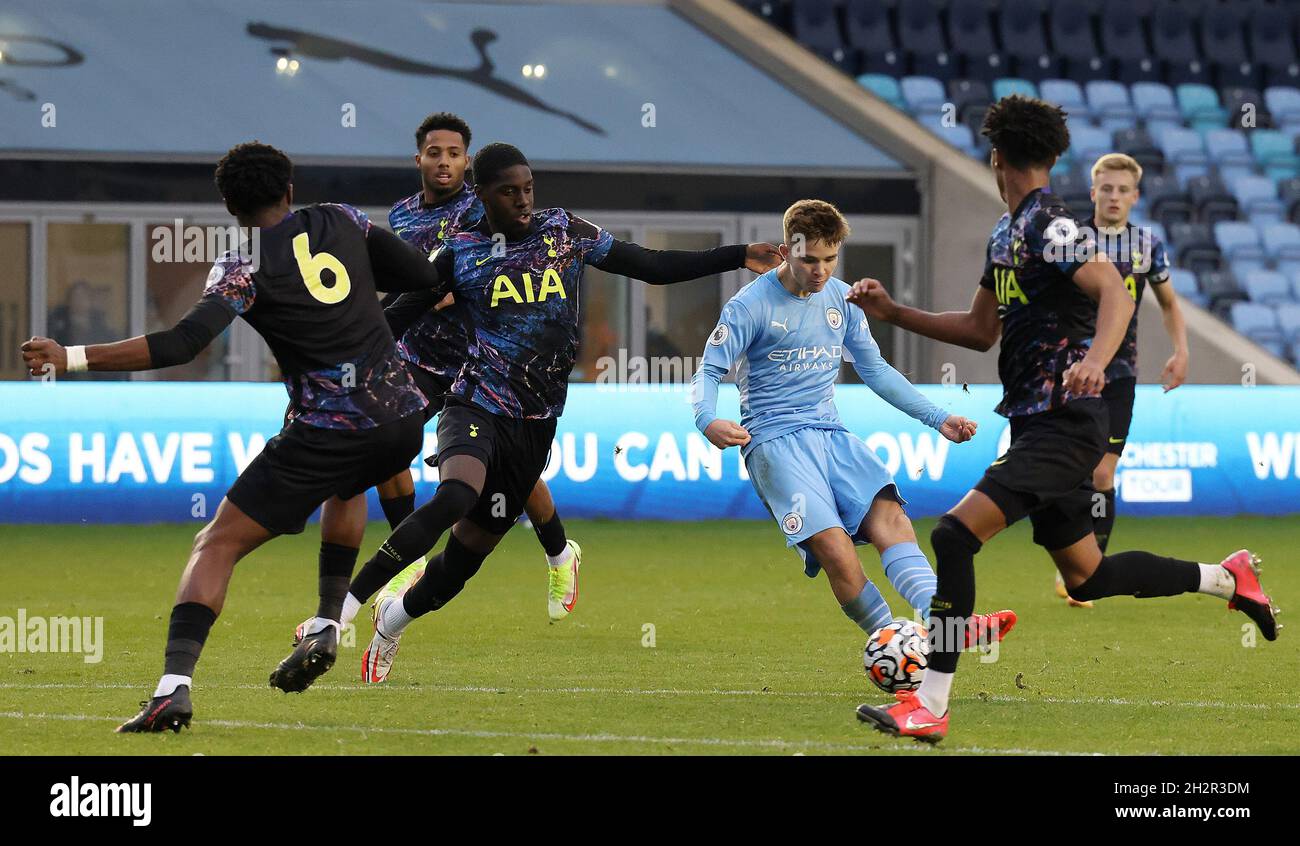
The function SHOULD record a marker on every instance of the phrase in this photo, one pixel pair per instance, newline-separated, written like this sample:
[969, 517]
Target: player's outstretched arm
[1099, 279]
[1175, 372]
[976, 329]
[727, 342]
[398, 266]
[666, 267]
[177, 345]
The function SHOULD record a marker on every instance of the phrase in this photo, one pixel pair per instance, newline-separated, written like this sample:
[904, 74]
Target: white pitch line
[603, 691]
[755, 743]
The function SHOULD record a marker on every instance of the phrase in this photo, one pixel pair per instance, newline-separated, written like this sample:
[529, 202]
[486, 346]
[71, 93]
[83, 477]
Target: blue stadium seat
[867, 32]
[1267, 287]
[1239, 243]
[1283, 104]
[1227, 146]
[885, 87]
[1293, 276]
[1007, 86]
[1182, 146]
[923, 93]
[1223, 37]
[1200, 105]
[1288, 322]
[1020, 26]
[1110, 104]
[1067, 94]
[1184, 282]
[1257, 197]
[1274, 152]
[921, 38]
[1270, 32]
[1281, 242]
[958, 136]
[1172, 41]
[970, 33]
[1124, 42]
[1072, 41]
[1155, 101]
[814, 26]
[1087, 144]
[1259, 323]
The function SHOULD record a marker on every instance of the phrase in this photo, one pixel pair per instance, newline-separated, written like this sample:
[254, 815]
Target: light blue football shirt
[789, 351]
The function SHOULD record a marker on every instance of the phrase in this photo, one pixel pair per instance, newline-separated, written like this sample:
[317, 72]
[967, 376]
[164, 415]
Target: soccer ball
[896, 656]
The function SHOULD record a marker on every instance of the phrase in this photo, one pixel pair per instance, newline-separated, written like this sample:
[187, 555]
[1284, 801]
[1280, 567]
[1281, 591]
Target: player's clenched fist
[871, 296]
[760, 258]
[725, 433]
[39, 352]
[1085, 378]
[958, 429]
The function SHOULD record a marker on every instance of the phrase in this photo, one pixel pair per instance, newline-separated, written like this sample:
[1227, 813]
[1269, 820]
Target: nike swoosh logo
[482, 261]
[1117, 440]
[913, 725]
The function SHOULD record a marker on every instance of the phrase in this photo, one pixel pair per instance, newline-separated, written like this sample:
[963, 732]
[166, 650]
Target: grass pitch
[688, 639]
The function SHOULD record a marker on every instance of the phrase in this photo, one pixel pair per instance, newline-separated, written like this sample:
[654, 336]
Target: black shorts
[1047, 472]
[1118, 396]
[305, 465]
[515, 452]
[433, 386]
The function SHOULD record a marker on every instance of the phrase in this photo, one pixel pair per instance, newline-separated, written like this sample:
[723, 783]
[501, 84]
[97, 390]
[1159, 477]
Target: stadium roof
[621, 84]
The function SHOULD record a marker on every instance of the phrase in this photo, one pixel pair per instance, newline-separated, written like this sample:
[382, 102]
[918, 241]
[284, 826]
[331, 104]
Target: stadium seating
[1267, 286]
[921, 38]
[1173, 42]
[1259, 323]
[1024, 42]
[1204, 94]
[869, 35]
[1184, 282]
[970, 33]
[1124, 43]
[815, 26]
[1110, 104]
[1073, 41]
[1223, 37]
[885, 87]
[1257, 197]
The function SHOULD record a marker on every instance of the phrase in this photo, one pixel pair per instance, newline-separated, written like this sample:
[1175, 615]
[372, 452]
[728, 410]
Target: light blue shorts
[816, 479]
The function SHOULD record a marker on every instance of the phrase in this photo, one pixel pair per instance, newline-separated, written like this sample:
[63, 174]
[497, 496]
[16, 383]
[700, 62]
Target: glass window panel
[604, 318]
[876, 261]
[680, 317]
[171, 288]
[87, 278]
[15, 310]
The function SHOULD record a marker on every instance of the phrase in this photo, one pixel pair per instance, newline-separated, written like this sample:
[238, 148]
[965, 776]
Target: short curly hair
[1026, 132]
[252, 177]
[442, 120]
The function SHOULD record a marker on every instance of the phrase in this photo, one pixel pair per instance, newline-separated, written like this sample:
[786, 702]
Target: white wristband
[77, 360]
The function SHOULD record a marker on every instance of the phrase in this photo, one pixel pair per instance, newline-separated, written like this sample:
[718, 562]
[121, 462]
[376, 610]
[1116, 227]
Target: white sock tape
[77, 360]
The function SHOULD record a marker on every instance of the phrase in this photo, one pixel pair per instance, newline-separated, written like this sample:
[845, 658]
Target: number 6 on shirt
[311, 267]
